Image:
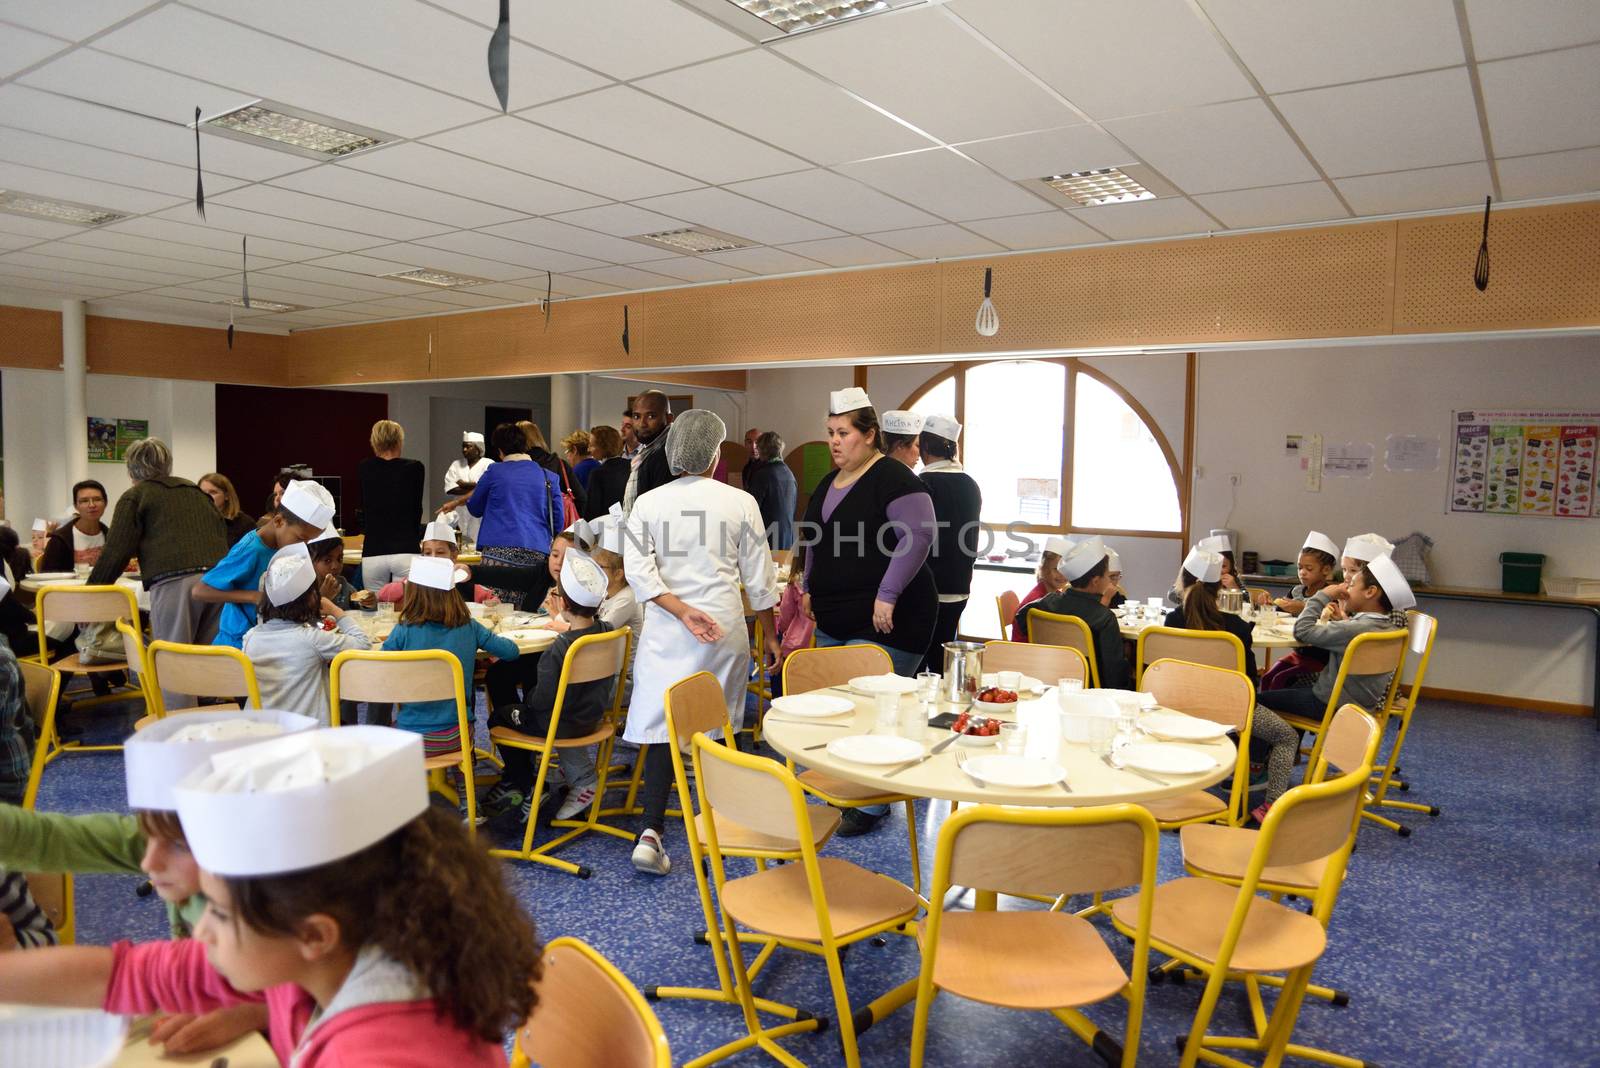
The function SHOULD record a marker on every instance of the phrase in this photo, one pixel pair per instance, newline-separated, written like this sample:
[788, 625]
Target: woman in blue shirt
[519, 503]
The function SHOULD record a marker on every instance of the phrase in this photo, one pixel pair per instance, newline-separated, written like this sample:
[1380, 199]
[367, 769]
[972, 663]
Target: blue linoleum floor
[1473, 942]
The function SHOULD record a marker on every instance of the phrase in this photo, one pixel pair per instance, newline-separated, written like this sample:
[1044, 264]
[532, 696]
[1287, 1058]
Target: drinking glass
[888, 711]
[928, 686]
[1009, 680]
[1102, 729]
[1013, 738]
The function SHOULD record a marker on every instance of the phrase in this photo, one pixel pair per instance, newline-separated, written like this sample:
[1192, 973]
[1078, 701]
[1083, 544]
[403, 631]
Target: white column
[75, 388]
[566, 408]
[585, 418]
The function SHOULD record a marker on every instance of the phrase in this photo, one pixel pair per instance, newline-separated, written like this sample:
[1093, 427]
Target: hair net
[693, 440]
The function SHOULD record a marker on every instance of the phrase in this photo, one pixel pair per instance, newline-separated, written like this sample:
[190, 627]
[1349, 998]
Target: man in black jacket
[1084, 568]
[769, 480]
[957, 503]
[652, 414]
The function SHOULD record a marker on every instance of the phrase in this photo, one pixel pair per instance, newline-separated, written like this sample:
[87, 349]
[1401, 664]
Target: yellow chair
[1226, 931]
[1422, 628]
[696, 705]
[1047, 663]
[53, 894]
[815, 905]
[835, 665]
[134, 650]
[1033, 959]
[199, 671]
[1049, 628]
[760, 685]
[42, 691]
[1223, 696]
[591, 658]
[1379, 652]
[87, 604]
[588, 1016]
[381, 676]
[1216, 648]
[1006, 605]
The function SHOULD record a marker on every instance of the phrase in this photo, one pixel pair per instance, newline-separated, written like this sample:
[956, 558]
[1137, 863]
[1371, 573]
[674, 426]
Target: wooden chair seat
[443, 760]
[778, 901]
[1224, 853]
[736, 838]
[830, 788]
[508, 736]
[71, 665]
[1024, 960]
[1192, 916]
[1192, 805]
[1304, 723]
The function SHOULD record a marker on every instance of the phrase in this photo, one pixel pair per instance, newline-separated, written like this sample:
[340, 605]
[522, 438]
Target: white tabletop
[466, 556]
[33, 584]
[528, 633]
[1279, 634]
[251, 1051]
[1092, 781]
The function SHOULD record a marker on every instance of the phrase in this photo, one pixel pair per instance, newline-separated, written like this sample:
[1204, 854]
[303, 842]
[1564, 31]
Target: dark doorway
[493, 417]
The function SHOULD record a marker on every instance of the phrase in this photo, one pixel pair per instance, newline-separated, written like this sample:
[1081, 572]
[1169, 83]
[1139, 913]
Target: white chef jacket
[457, 473]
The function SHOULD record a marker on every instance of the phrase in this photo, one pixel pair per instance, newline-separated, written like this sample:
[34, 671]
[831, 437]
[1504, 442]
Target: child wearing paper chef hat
[290, 650]
[1319, 555]
[384, 936]
[439, 540]
[1084, 565]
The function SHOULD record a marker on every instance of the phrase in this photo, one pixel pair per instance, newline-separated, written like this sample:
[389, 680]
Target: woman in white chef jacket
[687, 549]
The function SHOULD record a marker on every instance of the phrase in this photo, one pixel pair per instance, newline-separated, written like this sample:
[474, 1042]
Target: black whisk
[1480, 273]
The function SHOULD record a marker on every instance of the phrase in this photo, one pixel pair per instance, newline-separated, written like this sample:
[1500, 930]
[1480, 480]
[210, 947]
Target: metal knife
[929, 755]
[1134, 771]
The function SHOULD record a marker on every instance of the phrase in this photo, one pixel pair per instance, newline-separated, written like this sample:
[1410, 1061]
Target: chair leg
[841, 1001]
[919, 1021]
[1202, 1019]
[916, 858]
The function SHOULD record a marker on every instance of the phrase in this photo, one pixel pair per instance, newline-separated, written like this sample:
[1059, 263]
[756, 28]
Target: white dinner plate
[1004, 769]
[53, 576]
[1177, 727]
[526, 634]
[1028, 684]
[1165, 759]
[813, 705]
[75, 1038]
[875, 749]
[874, 684]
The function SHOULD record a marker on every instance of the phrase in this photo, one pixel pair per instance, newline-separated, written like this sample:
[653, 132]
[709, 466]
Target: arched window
[1104, 467]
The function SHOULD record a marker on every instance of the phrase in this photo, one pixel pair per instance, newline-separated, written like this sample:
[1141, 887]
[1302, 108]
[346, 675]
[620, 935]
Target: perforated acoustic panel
[1544, 270]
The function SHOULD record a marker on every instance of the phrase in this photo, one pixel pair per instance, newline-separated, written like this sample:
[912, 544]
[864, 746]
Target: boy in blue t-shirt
[235, 582]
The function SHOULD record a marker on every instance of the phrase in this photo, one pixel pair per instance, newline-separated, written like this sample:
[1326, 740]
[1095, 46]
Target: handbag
[569, 506]
[1410, 556]
[100, 643]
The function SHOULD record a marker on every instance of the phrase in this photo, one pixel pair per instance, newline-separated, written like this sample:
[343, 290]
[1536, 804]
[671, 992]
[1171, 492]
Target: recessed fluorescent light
[793, 16]
[262, 305]
[64, 211]
[1108, 185]
[695, 240]
[289, 129]
[443, 279]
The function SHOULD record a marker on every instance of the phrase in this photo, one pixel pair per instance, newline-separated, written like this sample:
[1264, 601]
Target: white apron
[460, 471]
[699, 540]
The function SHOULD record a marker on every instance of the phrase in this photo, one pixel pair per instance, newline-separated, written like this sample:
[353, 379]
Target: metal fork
[1106, 757]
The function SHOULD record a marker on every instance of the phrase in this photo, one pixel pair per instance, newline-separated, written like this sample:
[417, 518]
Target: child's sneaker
[649, 855]
[500, 799]
[553, 795]
[1259, 813]
[576, 804]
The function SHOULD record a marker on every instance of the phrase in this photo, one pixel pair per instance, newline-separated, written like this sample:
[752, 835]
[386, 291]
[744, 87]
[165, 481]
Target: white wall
[181, 413]
[609, 396]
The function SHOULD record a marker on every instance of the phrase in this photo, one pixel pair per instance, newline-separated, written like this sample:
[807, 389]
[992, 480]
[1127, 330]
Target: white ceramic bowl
[995, 708]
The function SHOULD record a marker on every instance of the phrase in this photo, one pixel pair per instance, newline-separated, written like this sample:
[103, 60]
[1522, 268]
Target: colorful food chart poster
[102, 441]
[1525, 462]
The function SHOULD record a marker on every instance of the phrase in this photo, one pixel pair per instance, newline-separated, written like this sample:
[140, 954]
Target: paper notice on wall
[1311, 462]
[1349, 459]
[1411, 452]
[1539, 462]
[1291, 444]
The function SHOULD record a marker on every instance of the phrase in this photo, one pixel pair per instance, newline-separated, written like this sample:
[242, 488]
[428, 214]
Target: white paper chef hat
[303, 800]
[471, 437]
[156, 758]
[582, 581]
[1316, 539]
[942, 426]
[1366, 547]
[439, 530]
[900, 421]
[1384, 570]
[435, 572]
[1217, 543]
[5, 588]
[308, 501]
[41, 525]
[289, 574]
[1057, 544]
[1081, 558]
[1113, 560]
[848, 400]
[327, 534]
[1203, 564]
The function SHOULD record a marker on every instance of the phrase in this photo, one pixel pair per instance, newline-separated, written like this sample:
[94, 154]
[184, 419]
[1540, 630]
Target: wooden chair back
[1047, 663]
[1007, 604]
[1058, 851]
[1320, 818]
[589, 1015]
[209, 670]
[1221, 695]
[752, 791]
[696, 705]
[1216, 648]
[392, 677]
[82, 604]
[1347, 740]
[1049, 628]
[52, 892]
[41, 689]
[598, 656]
[1375, 653]
[816, 669]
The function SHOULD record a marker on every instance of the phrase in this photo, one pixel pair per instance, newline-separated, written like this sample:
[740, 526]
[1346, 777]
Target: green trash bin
[1519, 572]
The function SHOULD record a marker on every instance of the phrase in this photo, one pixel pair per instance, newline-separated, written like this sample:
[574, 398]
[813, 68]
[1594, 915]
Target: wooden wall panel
[31, 337]
[380, 352]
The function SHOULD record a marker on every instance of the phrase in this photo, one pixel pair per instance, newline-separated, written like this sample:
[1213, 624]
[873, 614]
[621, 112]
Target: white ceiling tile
[1417, 120]
[510, 142]
[1297, 44]
[1050, 229]
[359, 187]
[517, 254]
[271, 200]
[435, 168]
[91, 285]
[182, 268]
[132, 244]
[793, 109]
[925, 69]
[620, 220]
[834, 200]
[1219, 146]
[1146, 218]
[23, 48]
[15, 241]
[566, 285]
[550, 234]
[737, 215]
[327, 316]
[1038, 155]
[189, 230]
[462, 299]
[505, 291]
[40, 228]
[83, 190]
[1461, 186]
[321, 275]
[275, 286]
[13, 285]
[766, 261]
[90, 269]
[946, 185]
[846, 252]
[162, 94]
[385, 36]
[625, 39]
[1281, 205]
[254, 62]
[368, 265]
[86, 161]
[1553, 174]
[1126, 58]
[936, 242]
[640, 125]
[495, 270]
[696, 269]
[146, 302]
[1543, 103]
[235, 221]
[73, 21]
[404, 306]
[628, 278]
[1503, 29]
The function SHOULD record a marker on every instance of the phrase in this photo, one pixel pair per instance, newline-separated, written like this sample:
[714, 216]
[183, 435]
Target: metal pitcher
[1230, 600]
[963, 672]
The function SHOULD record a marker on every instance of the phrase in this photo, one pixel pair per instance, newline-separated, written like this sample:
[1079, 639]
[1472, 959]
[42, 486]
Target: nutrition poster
[1524, 462]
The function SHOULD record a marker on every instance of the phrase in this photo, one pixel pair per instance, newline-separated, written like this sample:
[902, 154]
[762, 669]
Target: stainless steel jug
[963, 672]
[1230, 600]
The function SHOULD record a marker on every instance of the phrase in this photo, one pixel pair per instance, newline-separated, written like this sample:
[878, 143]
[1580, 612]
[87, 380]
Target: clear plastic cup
[1009, 680]
[1013, 738]
[1102, 731]
[888, 710]
[928, 686]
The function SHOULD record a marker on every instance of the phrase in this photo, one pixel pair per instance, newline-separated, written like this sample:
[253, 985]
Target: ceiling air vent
[291, 130]
[442, 279]
[1108, 185]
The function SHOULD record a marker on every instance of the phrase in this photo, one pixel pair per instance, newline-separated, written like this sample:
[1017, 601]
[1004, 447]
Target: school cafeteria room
[836, 533]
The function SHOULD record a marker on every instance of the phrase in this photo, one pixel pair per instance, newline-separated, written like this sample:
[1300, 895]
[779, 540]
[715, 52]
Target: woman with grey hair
[687, 548]
[174, 529]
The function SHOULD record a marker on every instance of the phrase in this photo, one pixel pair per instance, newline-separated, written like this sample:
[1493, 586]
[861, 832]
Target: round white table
[33, 584]
[1276, 635]
[1093, 782]
[352, 557]
[529, 637]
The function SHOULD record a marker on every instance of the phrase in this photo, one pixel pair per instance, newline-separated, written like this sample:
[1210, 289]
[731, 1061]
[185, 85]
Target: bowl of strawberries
[992, 700]
[976, 730]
